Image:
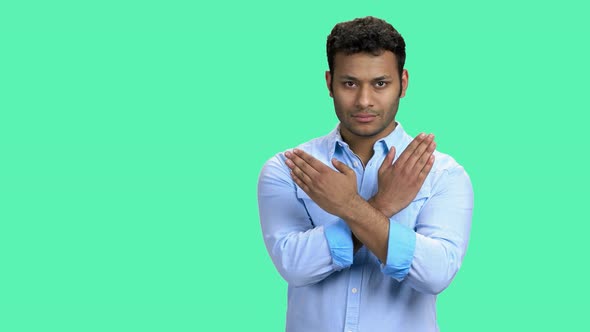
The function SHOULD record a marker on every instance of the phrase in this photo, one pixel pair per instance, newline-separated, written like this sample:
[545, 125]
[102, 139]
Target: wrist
[382, 206]
[351, 209]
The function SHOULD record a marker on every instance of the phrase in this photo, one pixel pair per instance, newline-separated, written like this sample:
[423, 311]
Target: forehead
[365, 65]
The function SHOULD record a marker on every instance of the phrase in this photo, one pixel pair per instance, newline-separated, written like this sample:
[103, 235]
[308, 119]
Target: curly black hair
[368, 34]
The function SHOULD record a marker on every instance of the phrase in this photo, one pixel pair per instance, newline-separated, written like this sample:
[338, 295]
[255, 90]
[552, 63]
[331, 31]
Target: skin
[366, 86]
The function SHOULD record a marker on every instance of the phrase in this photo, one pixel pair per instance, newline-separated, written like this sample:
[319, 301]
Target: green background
[132, 134]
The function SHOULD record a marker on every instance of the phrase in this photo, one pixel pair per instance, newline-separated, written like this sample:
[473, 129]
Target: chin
[366, 133]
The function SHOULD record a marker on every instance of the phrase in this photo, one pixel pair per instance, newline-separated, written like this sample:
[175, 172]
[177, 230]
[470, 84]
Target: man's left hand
[333, 191]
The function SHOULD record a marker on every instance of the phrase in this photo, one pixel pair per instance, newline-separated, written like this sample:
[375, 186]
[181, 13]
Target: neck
[363, 149]
[363, 146]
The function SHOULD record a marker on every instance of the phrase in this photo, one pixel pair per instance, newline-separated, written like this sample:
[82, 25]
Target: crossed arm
[336, 192]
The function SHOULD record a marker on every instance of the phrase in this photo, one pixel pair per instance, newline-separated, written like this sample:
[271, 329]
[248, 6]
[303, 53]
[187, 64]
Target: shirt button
[354, 290]
[355, 164]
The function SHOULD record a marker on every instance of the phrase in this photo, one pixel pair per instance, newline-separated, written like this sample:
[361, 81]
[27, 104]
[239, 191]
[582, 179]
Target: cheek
[343, 100]
[392, 108]
[338, 104]
[393, 93]
[391, 99]
[339, 111]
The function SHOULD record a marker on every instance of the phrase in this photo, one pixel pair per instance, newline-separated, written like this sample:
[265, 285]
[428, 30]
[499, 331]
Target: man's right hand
[399, 183]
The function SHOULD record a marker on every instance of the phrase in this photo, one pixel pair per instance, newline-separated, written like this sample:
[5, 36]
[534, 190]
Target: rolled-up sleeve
[339, 239]
[302, 254]
[400, 251]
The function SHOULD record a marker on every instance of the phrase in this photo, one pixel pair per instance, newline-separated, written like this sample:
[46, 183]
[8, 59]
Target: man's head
[366, 77]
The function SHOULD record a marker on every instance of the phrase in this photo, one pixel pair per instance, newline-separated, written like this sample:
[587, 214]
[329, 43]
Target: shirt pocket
[409, 214]
[317, 215]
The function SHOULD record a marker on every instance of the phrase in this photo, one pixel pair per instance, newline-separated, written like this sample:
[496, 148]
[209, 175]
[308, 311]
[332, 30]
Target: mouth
[364, 117]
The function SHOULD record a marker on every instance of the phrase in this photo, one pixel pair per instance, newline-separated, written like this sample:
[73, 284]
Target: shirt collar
[396, 138]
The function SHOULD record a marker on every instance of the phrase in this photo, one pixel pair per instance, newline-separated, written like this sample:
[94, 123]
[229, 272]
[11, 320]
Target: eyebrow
[352, 78]
[381, 78]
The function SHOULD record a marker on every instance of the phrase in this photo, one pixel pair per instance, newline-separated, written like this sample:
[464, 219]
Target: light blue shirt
[333, 289]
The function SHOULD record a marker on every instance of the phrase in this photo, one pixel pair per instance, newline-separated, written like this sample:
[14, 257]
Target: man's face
[366, 90]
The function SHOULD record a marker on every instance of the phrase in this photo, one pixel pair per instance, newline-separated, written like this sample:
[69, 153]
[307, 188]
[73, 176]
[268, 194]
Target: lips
[364, 117]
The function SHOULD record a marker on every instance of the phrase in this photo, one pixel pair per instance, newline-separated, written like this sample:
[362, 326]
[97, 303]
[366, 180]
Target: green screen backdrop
[132, 134]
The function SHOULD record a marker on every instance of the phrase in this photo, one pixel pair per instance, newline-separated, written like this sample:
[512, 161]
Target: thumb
[341, 166]
[388, 159]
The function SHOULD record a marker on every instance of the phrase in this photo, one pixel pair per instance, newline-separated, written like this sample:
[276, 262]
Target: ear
[329, 82]
[405, 81]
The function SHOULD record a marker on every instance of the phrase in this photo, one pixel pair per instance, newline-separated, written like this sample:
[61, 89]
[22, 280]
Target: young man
[366, 224]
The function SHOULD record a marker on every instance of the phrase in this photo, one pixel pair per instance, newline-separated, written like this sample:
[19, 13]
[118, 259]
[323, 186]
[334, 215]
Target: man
[366, 224]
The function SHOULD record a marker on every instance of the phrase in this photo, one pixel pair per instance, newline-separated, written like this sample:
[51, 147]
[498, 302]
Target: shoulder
[444, 163]
[318, 147]
[447, 172]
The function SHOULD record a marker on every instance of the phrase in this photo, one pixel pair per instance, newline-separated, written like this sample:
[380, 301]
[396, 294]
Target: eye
[381, 84]
[349, 84]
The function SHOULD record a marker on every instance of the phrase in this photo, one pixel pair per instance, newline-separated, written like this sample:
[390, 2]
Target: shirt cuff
[400, 251]
[339, 239]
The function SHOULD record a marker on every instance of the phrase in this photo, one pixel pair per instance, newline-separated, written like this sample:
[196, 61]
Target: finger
[303, 165]
[300, 183]
[298, 173]
[288, 156]
[425, 155]
[388, 160]
[310, 160]
[410, 149]
[426, 169]
[342, 167]
[414, 158]
[289, 163]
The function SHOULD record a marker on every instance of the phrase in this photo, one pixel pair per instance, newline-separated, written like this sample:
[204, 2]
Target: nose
[364, 98]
